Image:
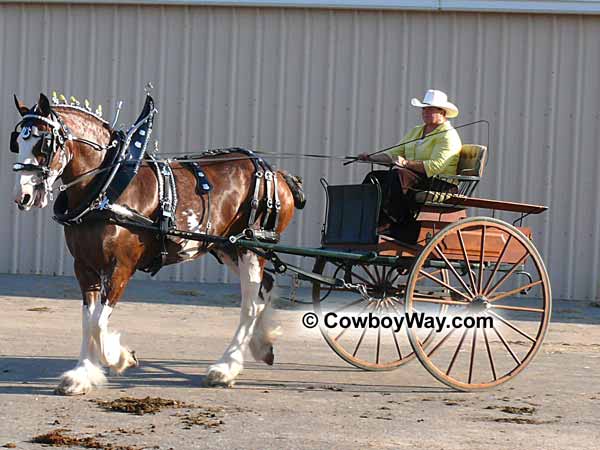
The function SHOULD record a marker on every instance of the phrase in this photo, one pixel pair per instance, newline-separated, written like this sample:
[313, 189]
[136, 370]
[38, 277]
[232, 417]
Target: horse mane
[71, 111]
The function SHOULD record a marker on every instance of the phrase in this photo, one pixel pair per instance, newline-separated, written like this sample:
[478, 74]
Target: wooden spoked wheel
[374, 347]
[495, 275]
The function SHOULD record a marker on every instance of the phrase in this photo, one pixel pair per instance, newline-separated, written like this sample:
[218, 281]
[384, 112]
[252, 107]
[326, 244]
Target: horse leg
[265, 333]
[88, 372]
[224, 371]
[112, 353]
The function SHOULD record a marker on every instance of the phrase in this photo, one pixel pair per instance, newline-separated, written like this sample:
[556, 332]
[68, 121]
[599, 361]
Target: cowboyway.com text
[418, 320]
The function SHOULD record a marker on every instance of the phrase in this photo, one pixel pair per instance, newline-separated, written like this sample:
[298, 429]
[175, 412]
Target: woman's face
[433, 116]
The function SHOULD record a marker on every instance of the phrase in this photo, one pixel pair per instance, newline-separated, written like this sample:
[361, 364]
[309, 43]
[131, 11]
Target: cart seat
[471, 165]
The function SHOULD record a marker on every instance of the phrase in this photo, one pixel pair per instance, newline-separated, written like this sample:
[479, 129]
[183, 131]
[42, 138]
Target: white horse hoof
[80, 381]
[216, 377]
[127, 359]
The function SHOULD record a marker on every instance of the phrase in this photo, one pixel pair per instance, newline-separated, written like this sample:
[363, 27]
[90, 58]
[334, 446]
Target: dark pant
[398, 187]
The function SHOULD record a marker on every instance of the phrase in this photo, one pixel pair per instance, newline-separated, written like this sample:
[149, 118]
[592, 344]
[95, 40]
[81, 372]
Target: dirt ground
[310, 399]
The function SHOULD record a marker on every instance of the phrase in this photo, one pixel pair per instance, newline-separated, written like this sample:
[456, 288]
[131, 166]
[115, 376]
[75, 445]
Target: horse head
[40, 140]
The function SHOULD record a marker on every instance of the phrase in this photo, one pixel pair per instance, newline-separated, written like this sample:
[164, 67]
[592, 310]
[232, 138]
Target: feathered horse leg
[224, 371]
[88, 371]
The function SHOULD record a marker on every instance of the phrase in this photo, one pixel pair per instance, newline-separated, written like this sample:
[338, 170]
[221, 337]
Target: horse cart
[443, 266]
[469, 297]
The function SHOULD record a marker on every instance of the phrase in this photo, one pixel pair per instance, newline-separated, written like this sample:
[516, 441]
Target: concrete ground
[310, 399]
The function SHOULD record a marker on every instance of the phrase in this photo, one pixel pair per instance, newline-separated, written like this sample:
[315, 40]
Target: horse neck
[84, 158]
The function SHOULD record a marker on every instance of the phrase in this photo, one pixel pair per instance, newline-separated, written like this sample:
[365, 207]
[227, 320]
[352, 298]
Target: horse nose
[22, 200]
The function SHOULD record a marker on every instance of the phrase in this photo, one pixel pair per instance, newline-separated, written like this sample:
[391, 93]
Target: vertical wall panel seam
[232, 94]
[41, 216]
[454, 59]
[327, 130]
[575, 170]
[139, 39]
[596, 231]
[14, 243]
[68, 88]
[280, 130]
[526, 122]
[92, 53]
[258, 62]
[379, 80]
[184, 124]
[208, 98]
[551, 143]
[404, 82]
[304, 101]
[478, 81]
[16, 218]
[162, 66]
[353, 132]
[429, 32]
[502, 122]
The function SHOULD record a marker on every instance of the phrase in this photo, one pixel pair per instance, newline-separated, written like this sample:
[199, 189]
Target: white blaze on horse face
[25, 186]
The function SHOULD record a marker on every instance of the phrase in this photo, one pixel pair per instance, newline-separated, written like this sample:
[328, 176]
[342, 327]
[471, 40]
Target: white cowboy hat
[438, 99]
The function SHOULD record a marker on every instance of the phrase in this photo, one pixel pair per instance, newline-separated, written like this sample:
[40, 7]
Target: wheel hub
[479, 305]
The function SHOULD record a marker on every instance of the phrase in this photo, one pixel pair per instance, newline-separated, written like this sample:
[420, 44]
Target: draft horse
[72, 144]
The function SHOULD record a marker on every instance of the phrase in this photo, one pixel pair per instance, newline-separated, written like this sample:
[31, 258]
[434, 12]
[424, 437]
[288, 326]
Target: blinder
[14, 145]
[46, 147]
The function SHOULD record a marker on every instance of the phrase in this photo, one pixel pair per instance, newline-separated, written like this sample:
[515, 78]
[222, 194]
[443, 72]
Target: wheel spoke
[377, 274]
[346, 329]
[473, 344]
[398, 274]
[394, 336]
[515, 357]
[373, 279]
[518, 308]
[439, 301]
[466, 257]
[510, 325]
[497, 265]
[378, 342]
[462, 339]
[489, 352]
[435, 272]
[439, 344]
[506, 275]
[453, 270]
[362, 336]
[356, 302]
[481, 259]
[515, 291]
[364, 280]
[446, 285]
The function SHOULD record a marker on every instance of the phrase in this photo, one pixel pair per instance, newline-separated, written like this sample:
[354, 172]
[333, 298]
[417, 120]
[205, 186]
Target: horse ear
[44, 105]
[20, 106]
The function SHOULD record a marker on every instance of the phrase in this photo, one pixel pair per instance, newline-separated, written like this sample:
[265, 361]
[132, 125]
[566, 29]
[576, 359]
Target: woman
[429, 149]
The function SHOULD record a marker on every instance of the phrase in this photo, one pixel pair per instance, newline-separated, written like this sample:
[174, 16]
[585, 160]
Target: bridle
[52, 142]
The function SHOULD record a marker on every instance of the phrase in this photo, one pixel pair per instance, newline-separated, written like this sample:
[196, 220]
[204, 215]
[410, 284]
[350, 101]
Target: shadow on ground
[39, 375]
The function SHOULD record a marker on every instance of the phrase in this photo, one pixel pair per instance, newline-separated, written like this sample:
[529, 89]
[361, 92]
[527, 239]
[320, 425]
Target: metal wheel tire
[499, 264]
[378, 349]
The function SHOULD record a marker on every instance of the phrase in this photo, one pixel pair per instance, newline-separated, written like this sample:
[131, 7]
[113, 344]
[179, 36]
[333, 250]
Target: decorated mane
[61, 100]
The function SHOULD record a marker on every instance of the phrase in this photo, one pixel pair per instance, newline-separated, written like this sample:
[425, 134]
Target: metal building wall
[334, 82]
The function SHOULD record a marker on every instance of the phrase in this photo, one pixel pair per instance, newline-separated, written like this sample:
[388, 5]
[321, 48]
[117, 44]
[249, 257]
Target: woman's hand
[401, 162]
[363, 157]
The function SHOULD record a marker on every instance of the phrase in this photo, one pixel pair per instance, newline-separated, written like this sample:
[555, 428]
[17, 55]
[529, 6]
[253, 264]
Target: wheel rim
[485, 282]
[377, 349]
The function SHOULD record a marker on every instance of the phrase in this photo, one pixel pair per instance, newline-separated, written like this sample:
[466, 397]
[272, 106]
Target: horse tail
[294, 182]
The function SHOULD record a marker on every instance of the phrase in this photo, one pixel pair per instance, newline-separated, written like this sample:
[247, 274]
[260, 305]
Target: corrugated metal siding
[504, 6]
[330, 82]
